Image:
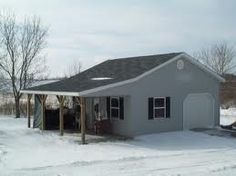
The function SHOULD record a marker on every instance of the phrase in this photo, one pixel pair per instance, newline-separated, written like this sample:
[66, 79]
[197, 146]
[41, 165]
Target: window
[115, 108]
[159, 107]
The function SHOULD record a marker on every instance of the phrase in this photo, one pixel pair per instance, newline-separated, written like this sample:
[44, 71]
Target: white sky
[92, 31]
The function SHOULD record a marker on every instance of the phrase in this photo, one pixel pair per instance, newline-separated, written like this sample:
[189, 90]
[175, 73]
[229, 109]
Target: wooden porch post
[43, 100]
[28, 108]
[82, 119]
[61, 100]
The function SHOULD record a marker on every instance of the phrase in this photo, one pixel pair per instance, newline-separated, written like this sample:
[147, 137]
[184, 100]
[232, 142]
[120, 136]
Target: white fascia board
[83, 93]
[39, 92]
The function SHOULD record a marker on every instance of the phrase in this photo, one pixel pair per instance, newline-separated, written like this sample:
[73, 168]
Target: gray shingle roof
[118, 69]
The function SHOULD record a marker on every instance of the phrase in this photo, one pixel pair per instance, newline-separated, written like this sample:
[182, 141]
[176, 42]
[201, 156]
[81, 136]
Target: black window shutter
[150, 108]
[168, 107]
[108, 107]
[121, 108]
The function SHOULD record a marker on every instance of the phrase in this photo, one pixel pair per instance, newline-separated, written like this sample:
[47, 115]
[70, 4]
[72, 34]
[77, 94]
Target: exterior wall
[120, 127]
[167, 81]
[124, 127]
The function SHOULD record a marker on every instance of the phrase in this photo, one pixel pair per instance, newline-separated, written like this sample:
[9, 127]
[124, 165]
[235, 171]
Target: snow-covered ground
[228, 116]
[30, 152]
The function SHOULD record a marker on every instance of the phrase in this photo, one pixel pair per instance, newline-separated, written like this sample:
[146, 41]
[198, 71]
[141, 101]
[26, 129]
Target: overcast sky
[95, 30]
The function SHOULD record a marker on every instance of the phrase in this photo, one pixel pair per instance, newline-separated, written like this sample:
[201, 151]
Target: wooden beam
[42, 101]
[29, 96]
[82, 119]
[61, 100]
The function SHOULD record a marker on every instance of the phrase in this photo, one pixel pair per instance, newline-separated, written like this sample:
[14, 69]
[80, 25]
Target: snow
[30, 152]
[228, 116]
[100, 78]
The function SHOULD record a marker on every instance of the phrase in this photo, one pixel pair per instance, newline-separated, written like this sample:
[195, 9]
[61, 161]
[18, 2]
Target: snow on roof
[100, 78]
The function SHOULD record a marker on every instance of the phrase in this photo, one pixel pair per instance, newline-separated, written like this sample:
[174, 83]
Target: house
[141, 95]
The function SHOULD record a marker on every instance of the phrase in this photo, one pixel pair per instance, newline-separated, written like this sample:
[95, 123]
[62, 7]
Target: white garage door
[198, 111]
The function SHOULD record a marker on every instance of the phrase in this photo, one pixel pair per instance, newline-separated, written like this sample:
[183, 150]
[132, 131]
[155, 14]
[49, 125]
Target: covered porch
[91, 115]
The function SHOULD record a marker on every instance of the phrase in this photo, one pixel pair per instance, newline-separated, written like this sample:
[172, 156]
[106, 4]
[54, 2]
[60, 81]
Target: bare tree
[219, 57]
[1, 83]
[21, 58]
[73, 69]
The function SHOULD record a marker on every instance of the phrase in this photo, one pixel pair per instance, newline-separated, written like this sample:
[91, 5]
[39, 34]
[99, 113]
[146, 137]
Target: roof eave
[41, 92]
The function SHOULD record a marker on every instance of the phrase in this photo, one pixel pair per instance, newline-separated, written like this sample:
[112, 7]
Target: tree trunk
[17, 106]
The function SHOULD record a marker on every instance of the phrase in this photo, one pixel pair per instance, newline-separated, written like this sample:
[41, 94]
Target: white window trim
[118, 108]
[154, 107]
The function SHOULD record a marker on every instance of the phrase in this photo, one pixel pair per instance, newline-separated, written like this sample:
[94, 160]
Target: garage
[198, 111]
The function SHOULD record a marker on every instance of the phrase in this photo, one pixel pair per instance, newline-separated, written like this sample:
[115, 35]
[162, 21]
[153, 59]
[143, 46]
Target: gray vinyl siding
[167, 81]
[123, 127]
